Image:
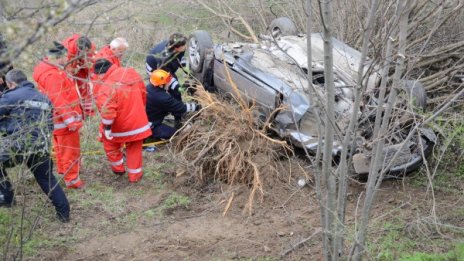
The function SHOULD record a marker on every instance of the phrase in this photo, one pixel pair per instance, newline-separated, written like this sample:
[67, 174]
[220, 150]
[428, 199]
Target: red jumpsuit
[81, 68]
[106, 53]
[120, 96]
[67, 119]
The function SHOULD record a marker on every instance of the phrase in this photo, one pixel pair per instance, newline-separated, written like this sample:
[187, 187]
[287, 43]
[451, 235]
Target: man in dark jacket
[168, 55]
[160, 103]
[25, 131]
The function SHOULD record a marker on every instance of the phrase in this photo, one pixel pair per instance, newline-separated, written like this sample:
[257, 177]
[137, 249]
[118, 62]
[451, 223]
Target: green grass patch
[172, 202]
[152, 172]
[448, 155]
[16, 234]
[392, 243]
[457, 254]
[175, 200]
[395, 244]
[129, 221]
[99, 195]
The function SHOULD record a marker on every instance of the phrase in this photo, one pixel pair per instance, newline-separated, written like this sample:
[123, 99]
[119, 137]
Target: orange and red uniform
[108, 54]
[67, 119]
[120, 96]
[81, 68]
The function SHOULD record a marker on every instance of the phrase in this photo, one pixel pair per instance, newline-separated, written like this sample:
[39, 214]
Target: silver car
[273, 74]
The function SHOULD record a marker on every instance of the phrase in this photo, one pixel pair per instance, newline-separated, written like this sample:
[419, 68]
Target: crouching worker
[120, 97]
[25, 127]
[160, 103]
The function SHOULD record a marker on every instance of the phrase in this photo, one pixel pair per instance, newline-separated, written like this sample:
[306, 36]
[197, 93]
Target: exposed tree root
[226, 144]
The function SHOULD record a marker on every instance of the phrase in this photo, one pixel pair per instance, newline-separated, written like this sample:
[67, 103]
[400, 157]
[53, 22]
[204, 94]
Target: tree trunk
[375, 178]
[342, 170]
[330, 192]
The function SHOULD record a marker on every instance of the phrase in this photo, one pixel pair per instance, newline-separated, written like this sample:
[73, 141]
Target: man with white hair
[114, 51]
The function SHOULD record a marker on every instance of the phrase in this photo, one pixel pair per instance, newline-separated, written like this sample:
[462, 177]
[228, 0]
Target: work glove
[191, 106]
[190, 83]
[74, 126]
[173, 84]
[107, 132]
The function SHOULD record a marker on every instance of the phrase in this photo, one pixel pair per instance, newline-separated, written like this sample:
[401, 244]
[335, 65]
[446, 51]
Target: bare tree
[402, 12]
[228, 16]
[329, 177]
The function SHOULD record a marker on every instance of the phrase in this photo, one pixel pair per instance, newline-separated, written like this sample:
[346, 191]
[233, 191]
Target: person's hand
[192, 106]
[74, 126]
[107, 132]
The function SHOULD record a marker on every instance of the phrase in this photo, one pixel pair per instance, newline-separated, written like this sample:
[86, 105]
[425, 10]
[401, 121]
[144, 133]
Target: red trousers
[114, 154]
[68, 152]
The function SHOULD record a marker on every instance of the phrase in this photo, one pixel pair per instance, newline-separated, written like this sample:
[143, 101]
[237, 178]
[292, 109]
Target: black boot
[6, 193]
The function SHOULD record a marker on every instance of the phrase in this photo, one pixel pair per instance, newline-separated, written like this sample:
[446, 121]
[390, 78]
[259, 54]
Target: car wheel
[199, 44]
[416, 93]
[415, 162]
[282, 26]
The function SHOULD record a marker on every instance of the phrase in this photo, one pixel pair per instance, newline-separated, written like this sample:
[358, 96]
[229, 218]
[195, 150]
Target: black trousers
[41, 166]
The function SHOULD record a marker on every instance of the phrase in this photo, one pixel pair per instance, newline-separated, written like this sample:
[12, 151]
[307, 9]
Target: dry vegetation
[226, 144]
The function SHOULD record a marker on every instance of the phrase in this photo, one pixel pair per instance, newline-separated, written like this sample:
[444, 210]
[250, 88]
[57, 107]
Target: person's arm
[153, 61]
[170, 104]
[4, 114]
[57, 88]
[4, 108]
[109, 106]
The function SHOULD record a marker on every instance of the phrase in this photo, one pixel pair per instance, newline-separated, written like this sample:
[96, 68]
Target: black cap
[84, 43]
[58, 50]
[177, 40]
[101, 66]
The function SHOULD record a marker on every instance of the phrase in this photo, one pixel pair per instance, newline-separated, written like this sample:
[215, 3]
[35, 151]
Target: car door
[245, 77]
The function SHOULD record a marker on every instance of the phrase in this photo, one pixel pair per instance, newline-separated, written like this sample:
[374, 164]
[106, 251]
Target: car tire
[416, 92]
[398, 172]
[200, 42]
[282, 26]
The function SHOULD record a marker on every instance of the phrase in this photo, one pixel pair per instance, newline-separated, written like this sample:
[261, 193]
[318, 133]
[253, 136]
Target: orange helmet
[160, 78]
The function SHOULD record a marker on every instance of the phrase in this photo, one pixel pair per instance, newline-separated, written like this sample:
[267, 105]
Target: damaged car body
[273, 74]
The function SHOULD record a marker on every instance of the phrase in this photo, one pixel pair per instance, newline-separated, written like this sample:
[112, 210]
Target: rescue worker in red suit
[54, 82]
[114, 51]
[121, 98]
[80, 54]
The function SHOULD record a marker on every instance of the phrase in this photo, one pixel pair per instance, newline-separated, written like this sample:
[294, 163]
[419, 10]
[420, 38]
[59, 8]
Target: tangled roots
[226, 144]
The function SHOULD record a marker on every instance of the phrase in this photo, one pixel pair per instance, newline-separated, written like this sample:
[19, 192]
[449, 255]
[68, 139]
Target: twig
[228, 204]
[299, 244]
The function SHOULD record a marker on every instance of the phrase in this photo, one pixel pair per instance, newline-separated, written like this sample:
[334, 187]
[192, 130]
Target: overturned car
[273, 74]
